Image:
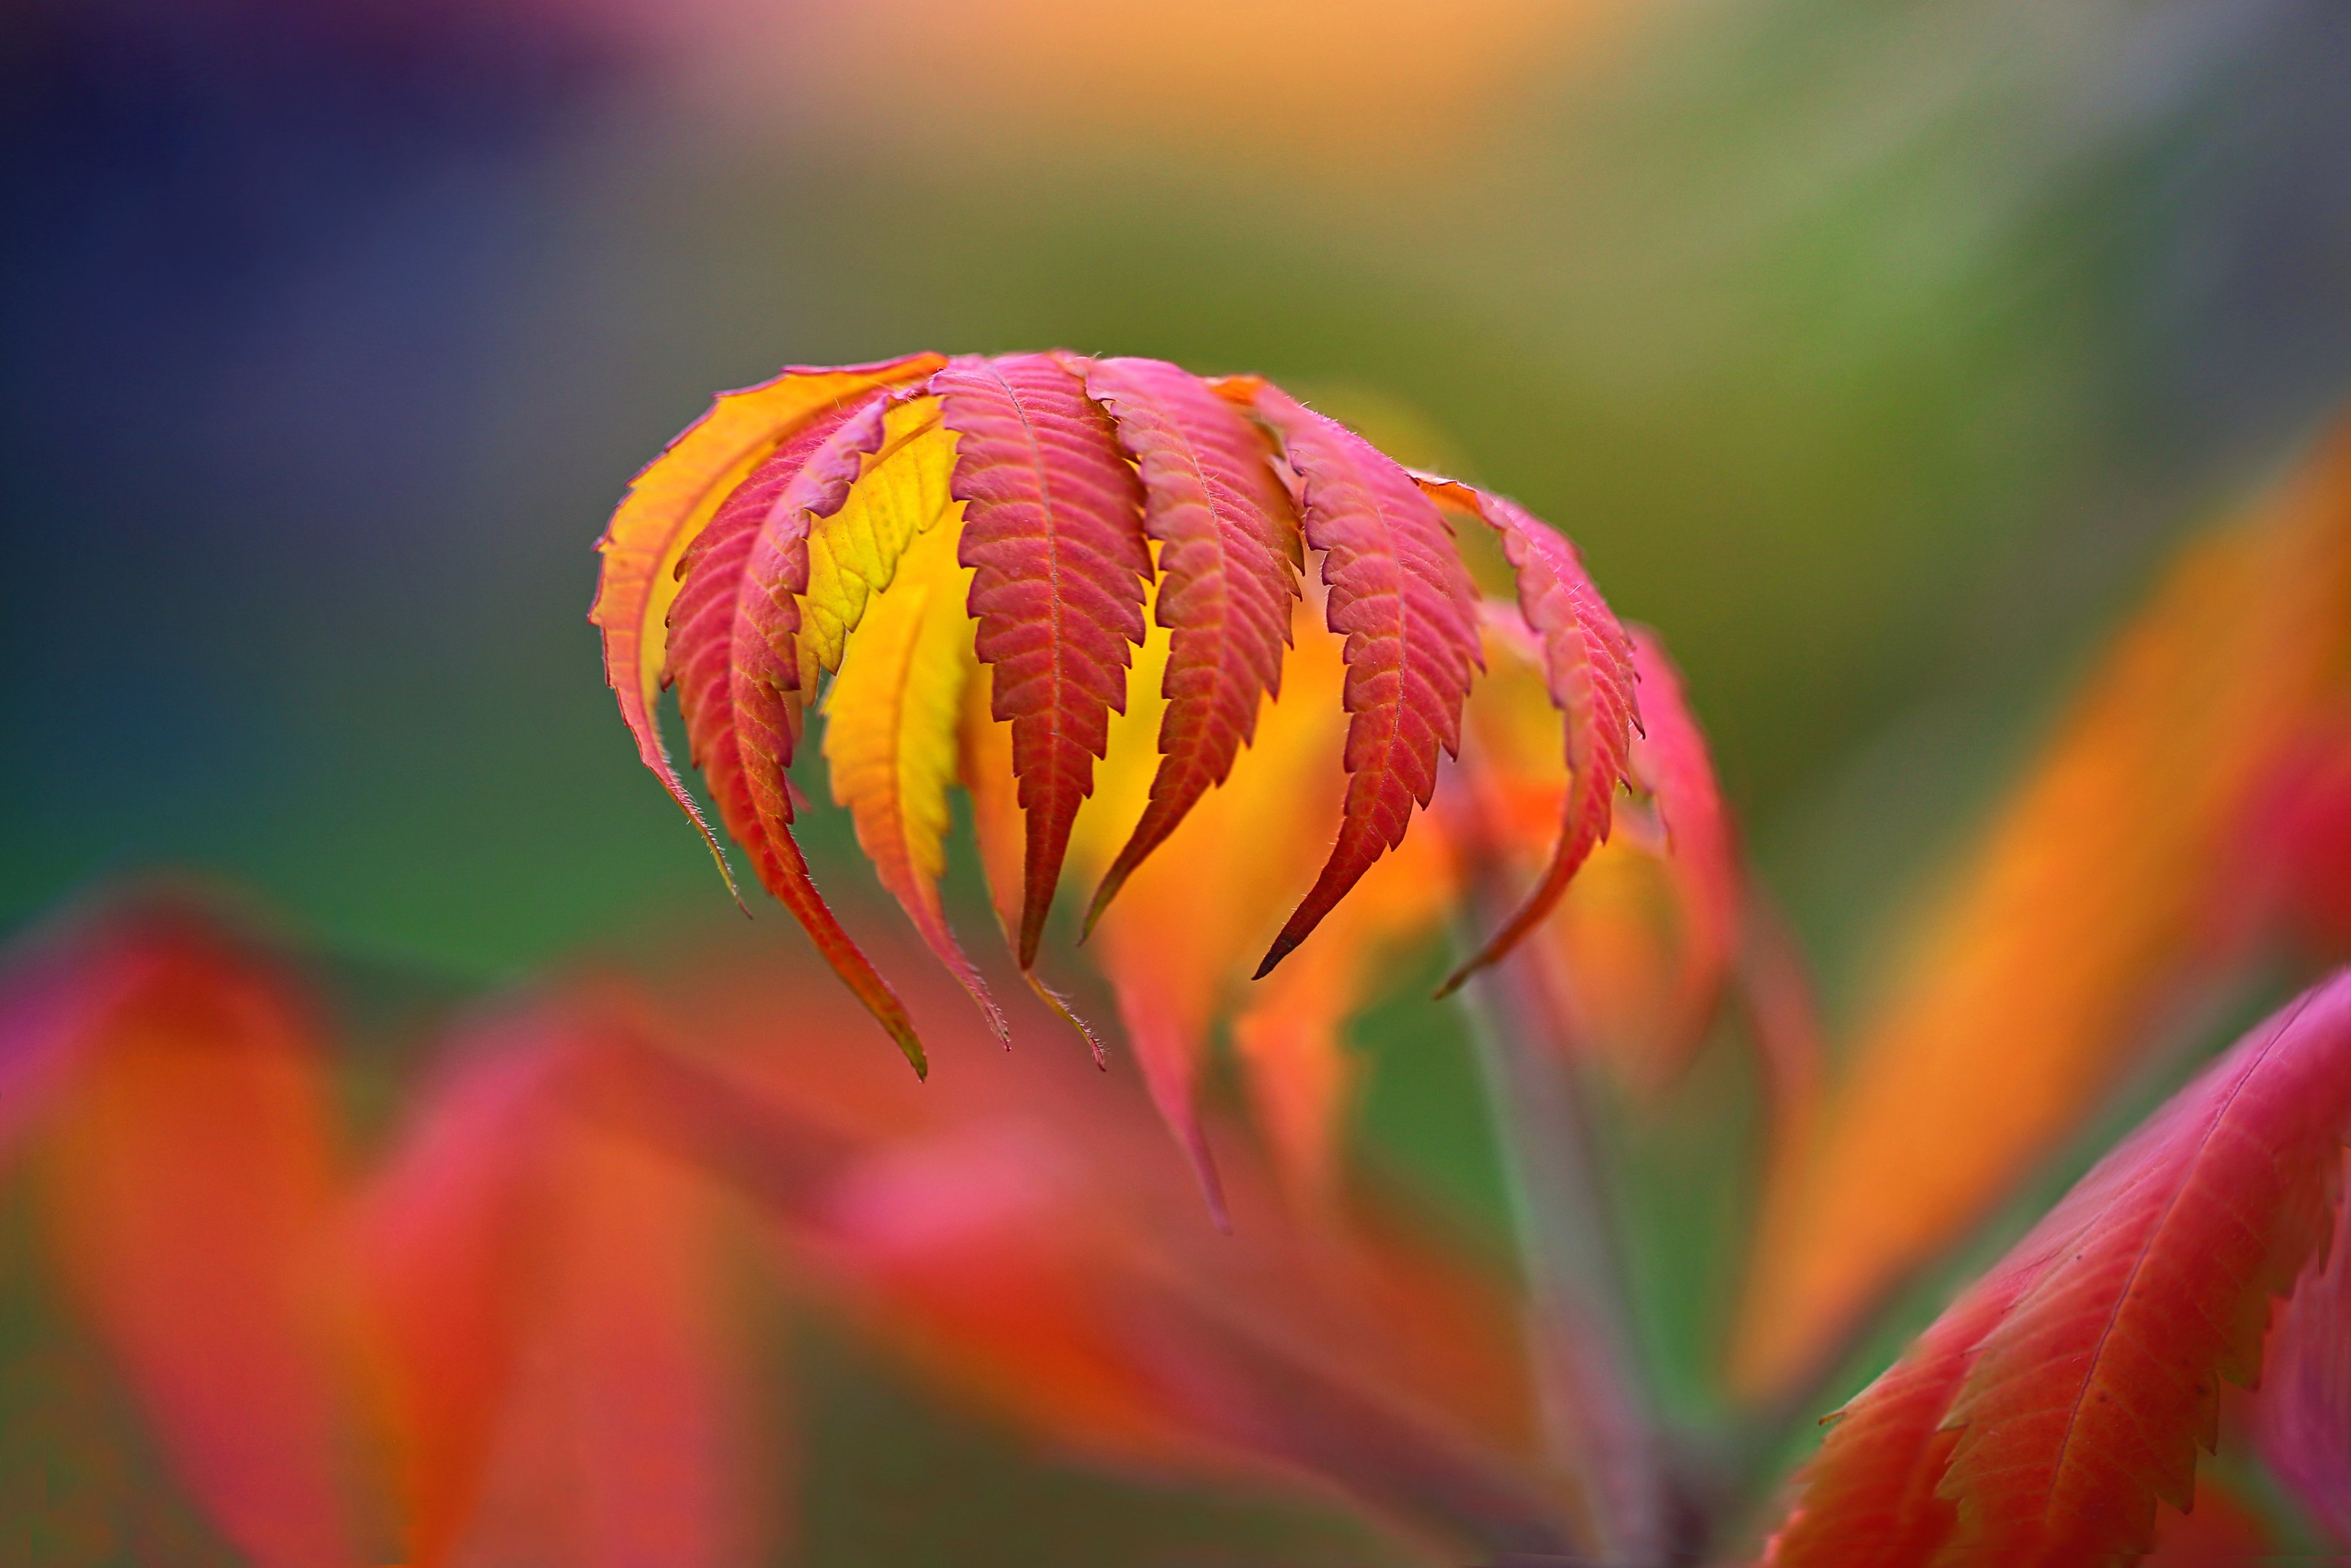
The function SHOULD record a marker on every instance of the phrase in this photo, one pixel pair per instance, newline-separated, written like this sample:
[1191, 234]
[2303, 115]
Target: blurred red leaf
[2042, 1417]
[188, 1166]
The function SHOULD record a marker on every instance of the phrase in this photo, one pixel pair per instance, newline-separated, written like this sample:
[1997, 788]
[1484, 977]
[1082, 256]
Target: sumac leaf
[670, 502]
[737, 720]
[890, 724]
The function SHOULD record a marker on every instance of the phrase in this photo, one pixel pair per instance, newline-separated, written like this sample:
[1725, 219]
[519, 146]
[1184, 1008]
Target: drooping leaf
[1590, 671]
[1229, 563]
[1672, 765]
[2084, 918]
[891, 737]
[1401, 597]
[1053, 530]
[732, 648]
[669, 503]
[852, 552]
[2042, 1417]
[767, 680]
[189, 1172]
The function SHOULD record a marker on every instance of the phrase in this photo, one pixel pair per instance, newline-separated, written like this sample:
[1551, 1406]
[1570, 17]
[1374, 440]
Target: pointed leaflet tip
[1228, 559]
[1401, 597]
[1588, 669]
[737, 720]
[1054, 534]
[669, 503]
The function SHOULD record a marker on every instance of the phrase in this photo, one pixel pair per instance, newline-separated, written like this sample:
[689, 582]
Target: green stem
[1597, 1413]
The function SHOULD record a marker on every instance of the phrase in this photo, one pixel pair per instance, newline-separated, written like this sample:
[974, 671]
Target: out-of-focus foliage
[2136, 863]
[1878, 351]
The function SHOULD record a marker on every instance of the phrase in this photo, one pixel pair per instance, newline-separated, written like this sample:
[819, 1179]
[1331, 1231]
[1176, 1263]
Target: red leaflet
[1588, 669]
[1054, 536]
[2042, 1417]
[738, 722]
[766, 679]
[1229, 560]
[1404, 601]
[1671, 761]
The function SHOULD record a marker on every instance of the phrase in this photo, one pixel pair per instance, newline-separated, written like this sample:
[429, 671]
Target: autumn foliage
[1216, 661]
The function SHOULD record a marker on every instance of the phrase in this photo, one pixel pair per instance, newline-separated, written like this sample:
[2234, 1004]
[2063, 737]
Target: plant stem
[1597, 1413]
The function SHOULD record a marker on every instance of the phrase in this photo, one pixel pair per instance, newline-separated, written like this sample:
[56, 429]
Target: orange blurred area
[1349, 89]
[2104, 898]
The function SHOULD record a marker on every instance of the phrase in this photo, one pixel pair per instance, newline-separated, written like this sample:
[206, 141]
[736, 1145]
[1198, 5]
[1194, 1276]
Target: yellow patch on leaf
[853, 554]
[890, 736]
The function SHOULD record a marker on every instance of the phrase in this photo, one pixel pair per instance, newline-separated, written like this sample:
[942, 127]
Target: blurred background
[1873, 350]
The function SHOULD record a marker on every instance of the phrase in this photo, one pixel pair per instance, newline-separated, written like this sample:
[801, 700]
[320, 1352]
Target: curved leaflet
[1588, 669]
[738, 722]
[2042, 1417]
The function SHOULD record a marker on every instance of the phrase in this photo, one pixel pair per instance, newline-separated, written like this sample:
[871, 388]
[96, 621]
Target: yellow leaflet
[852, 555]
[889, 720]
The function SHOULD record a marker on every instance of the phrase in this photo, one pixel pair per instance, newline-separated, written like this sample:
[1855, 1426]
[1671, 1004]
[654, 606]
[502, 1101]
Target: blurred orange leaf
[2088, 906]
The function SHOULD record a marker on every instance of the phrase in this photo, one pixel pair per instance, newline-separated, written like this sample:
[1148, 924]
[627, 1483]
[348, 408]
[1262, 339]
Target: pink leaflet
[2301, 1416]
[1401, 597]
[1054, 534]
[1588, 668]
[1229, 557]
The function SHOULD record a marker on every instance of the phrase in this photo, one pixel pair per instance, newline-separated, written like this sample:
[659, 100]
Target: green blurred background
[1873, 351]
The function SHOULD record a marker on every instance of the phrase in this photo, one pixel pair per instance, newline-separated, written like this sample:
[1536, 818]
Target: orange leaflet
[2088, 908]
[547, 1300]
[1176, 944]
[2040, 1418]
[890, 724]
[189, 1170]
[669, 503]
